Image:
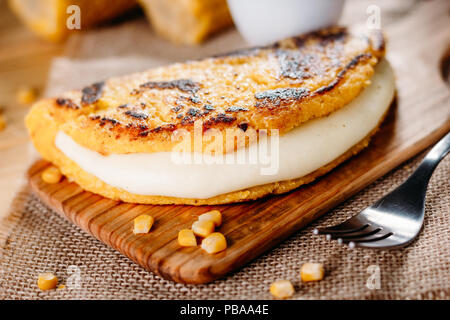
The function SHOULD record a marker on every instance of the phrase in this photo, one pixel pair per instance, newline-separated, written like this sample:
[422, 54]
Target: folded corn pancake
[115, 137]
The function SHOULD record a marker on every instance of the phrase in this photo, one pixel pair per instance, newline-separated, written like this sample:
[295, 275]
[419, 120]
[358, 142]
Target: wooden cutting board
[417, 46]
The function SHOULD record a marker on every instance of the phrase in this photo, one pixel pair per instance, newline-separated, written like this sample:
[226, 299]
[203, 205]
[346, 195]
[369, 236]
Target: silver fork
[396, 219]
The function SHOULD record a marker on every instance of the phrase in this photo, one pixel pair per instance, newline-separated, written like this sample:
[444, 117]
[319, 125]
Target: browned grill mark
[68, 103]
[105, 120]
[282, 94]
[194, 112]
[177, 108]
[185, 85]
[327, 35]
[324, 36]
[341, 74]
[165, 127]
[195, 99]
[243, 126]
[112, 121]
[92, 93]
[220, 118]
[141, 130]
[187, 120]
[137, 114]
[334, 36]
[236, 109]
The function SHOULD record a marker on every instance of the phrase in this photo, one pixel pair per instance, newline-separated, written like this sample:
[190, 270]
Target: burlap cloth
[38, 240]
[33, 239]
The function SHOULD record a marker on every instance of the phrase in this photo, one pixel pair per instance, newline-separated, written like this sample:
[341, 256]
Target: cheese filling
[299, 152]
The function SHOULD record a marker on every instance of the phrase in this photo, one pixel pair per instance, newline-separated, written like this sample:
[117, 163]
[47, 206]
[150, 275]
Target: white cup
[262, 22]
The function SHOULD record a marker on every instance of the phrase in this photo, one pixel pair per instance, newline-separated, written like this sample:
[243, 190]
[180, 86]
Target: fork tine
[368, 231]
[354, 224]
[371, 238]
[388, 242]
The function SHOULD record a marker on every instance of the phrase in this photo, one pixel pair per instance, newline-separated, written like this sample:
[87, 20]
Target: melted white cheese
[301, 151]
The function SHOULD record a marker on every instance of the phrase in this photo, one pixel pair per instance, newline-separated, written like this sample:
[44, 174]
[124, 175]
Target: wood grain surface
[418, 43]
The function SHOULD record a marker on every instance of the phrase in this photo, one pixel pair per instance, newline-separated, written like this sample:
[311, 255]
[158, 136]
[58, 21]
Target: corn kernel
[214, 216]
[312, 272]
[51, 175]
[143, 223]
[214, 243]
[282, 289]
[26, 95]
[203, 228]
[2, 122]
[47, 281]
[186, 238]
[61, 286]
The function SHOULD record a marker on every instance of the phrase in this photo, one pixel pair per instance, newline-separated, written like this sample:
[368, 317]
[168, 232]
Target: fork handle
[420, 177]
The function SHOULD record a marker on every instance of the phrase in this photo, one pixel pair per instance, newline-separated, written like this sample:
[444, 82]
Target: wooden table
[24, 61]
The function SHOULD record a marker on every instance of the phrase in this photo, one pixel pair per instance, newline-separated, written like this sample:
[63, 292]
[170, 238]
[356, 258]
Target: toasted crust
[280, 86]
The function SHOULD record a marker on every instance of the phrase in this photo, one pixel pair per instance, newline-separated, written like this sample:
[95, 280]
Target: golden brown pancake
[275, 87]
